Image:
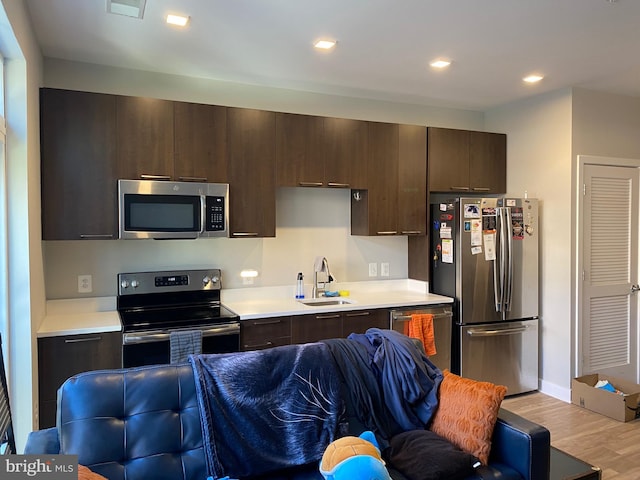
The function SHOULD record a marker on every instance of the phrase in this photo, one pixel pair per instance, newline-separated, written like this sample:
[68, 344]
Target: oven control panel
[137, 283]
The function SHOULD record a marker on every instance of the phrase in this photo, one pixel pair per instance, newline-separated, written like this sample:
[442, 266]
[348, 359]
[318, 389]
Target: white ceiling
[384, 46]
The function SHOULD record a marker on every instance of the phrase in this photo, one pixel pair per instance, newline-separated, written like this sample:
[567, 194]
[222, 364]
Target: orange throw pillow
[467, 412]
[85, 474]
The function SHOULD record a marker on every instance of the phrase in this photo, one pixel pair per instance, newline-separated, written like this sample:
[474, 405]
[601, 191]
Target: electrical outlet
[384, 269]
[84, 284]
[373, 269]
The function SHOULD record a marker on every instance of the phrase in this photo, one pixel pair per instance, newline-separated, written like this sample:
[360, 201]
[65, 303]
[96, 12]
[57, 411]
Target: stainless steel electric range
[153, 304]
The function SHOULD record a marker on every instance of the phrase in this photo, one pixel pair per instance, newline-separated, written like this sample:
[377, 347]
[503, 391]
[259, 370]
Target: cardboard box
[619, 407]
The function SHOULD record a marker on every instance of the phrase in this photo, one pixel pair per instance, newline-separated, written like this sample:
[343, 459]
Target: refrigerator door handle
[509, 248]
[478, 332]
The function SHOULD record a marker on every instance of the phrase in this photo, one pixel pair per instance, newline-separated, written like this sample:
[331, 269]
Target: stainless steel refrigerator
[485, 255]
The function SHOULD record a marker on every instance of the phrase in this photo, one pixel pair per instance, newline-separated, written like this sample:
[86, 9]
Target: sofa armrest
[522, 445]
[43, 441]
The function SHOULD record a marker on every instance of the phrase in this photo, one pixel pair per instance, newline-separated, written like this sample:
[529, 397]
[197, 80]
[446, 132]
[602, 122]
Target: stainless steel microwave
[163, 209]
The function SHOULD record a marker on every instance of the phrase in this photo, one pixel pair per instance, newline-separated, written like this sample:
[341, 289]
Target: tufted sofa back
[133, 424]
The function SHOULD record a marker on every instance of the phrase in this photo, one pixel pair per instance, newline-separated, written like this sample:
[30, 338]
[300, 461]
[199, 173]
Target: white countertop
[76, 316]
[99, 314]
[264, 302]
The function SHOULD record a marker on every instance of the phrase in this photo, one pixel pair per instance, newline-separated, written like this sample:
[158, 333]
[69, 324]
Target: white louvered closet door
[610, 305]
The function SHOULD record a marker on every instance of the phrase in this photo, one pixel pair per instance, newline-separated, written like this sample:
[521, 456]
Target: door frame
[576, 325]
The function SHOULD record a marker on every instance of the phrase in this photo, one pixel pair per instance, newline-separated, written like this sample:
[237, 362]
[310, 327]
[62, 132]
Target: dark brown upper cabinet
[345, 152]
[145, 142]
[395, 201]
[252, 169]
[299, 160]
[316, 151]
[200, 143]
[466, 161]
[79, 171]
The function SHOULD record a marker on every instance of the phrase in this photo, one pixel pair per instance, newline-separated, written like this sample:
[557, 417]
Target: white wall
[25, 274]
[310, 222]
[539, 162]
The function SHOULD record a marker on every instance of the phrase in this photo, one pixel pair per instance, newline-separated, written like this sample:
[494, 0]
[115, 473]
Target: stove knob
[135, 283]
[206, 280]
[124, 284]
[215, 279]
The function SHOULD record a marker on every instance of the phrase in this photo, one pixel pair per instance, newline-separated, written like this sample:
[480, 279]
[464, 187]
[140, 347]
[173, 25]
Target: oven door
[152, 347]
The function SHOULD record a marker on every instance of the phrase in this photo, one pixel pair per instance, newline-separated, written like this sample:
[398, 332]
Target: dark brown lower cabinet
[321, 326]
[263, 333]
[61, 357]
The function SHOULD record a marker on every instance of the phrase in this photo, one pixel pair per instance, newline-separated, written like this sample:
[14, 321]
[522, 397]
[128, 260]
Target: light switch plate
[373, 269]
[384, 269]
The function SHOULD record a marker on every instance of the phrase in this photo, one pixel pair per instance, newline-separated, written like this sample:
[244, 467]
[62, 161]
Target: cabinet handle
[266, 322]
[245, 234]
[460, 188]
[80, 340]
[389, 232]
[358, 314]
[192, 179]
[481, 189]
[258, 345]
[145, 176]
[338, 185]
[324, 317]
[98, 235]
[310, 184]
[411, 232]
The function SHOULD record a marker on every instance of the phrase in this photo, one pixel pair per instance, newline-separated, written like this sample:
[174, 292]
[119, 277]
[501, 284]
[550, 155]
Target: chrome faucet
[321, 265]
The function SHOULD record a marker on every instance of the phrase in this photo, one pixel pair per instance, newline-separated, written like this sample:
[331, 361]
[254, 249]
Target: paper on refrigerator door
[489, 246]
[447, 250]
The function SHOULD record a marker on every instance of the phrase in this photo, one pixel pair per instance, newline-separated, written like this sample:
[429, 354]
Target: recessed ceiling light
[533, 78]
[179, 20]
[325, 44]
[440, 63]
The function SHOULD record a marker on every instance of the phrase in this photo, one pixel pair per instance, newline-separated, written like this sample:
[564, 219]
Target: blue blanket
[409, 380]
[266, 410]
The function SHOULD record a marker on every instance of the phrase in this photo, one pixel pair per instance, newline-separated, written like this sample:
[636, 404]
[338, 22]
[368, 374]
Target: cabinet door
[200, 143]
[61, 357]
[252, 196]
[264, 333]
[360, 321]
[412, 180]
[79, 177]
[448, 160]
[488, 162]
[383, 178]
[299, 150]
[312, 328]
[345, 152]
[145, 138]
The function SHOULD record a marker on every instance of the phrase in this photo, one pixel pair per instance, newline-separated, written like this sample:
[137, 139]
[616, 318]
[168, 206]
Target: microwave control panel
[215, 214]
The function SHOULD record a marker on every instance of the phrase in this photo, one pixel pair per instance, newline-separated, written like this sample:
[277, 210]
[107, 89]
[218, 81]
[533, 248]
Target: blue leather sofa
[143, 423]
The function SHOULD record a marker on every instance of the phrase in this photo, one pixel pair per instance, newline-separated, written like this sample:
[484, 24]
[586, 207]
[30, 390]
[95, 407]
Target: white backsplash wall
[310, 222]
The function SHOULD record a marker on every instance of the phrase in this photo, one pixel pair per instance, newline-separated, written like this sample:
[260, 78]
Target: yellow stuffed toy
[354, 458]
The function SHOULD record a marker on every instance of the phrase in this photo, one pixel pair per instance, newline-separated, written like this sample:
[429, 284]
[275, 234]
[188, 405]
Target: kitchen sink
[324, 302]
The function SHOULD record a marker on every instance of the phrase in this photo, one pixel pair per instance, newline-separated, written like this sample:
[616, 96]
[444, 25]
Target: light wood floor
[611, 445]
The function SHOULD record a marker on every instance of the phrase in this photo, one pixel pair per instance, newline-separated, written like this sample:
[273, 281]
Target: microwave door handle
[203, 213]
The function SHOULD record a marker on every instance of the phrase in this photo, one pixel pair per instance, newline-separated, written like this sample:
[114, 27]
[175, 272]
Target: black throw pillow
[424, 455]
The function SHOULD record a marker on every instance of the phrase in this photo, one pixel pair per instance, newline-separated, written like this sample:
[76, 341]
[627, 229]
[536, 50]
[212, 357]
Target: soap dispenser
[300, 286]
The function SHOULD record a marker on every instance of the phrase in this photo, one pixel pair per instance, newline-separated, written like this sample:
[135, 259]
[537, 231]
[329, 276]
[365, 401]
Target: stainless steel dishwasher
[442, 328]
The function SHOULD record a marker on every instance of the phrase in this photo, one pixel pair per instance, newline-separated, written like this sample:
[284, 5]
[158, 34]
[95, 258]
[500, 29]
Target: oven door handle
[164, 335]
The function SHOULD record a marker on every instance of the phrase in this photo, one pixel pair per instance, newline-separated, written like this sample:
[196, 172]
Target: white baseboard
[555, 391]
